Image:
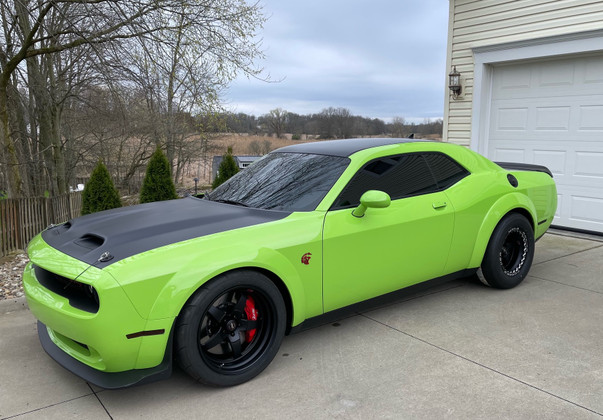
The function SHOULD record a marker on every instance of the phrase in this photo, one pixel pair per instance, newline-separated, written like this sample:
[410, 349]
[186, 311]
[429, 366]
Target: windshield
[282, 181]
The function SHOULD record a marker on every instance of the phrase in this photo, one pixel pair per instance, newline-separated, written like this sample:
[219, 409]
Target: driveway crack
[565, 284]
[482, 365]
[568, 255]
[45, 407]
[99, 400]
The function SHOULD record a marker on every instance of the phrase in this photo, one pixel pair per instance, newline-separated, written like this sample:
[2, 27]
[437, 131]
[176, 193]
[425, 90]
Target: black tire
[509, 254]
[213, 342]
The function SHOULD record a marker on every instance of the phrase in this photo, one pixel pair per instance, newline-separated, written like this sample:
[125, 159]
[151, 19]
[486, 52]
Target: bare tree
[191, 65]
[397, 127]
[45, 45]
[276, 120]
[336, 123]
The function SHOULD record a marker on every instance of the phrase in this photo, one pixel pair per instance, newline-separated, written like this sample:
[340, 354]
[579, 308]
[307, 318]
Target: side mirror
[372, 199]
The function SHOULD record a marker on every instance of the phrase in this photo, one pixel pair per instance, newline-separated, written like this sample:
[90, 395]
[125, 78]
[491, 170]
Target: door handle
[439, 204]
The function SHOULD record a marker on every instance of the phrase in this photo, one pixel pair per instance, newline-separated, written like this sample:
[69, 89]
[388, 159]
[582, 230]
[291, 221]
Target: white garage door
[551, 113]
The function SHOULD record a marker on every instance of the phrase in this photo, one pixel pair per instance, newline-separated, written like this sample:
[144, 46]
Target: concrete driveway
[460, 350]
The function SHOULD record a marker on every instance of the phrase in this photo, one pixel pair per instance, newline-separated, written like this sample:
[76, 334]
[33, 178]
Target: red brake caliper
[252, 315]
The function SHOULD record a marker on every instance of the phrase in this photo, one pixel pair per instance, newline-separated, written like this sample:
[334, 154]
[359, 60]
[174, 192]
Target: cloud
[379, 58]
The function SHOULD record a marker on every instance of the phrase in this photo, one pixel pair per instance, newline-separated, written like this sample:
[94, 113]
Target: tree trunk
[20, 134]
[14, 183]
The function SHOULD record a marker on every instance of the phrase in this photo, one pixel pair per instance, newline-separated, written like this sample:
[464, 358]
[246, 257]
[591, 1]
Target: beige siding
[480, 23]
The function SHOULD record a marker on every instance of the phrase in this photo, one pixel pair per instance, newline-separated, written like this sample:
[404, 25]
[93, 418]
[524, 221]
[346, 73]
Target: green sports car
[308, 230]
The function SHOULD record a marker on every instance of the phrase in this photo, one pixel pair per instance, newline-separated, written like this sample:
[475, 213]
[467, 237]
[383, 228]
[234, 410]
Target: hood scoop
[90, 241]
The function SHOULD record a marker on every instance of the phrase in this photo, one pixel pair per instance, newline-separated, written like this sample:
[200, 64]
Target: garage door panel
[513, 79]
[593, 72]
[556, 76]
[555, 160]
[579, 208]
[509, 155]
[586, 209]
[512, 119]
[551, 113]
[555, 118]
[589, 164]
[591, 118]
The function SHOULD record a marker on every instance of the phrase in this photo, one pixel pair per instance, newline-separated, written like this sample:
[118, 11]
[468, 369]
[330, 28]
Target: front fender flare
[186, 282]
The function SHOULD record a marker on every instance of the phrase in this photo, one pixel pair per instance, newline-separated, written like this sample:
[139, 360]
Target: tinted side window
[446, 171]
[399, 176]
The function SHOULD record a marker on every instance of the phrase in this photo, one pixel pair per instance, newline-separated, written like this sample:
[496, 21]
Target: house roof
[248, 158]
[343, 148]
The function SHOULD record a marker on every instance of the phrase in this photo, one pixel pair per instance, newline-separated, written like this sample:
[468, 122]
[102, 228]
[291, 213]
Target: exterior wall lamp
[454, 83]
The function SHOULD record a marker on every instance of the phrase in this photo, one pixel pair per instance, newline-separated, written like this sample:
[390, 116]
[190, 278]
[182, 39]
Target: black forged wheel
[509, 254]
[231, 329]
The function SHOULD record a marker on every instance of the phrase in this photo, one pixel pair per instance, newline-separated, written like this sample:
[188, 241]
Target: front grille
[81, 296]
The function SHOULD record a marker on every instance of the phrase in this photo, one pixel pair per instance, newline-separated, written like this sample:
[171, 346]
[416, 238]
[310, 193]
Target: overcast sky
[378, 58]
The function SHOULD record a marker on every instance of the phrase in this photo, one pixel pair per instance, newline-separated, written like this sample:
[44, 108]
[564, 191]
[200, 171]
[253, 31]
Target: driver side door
[388, 248]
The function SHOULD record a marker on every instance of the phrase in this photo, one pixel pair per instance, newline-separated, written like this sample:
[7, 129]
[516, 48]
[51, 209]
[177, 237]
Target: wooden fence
[23, 218]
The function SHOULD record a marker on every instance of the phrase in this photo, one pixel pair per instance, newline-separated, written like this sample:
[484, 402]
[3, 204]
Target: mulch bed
[11, 270]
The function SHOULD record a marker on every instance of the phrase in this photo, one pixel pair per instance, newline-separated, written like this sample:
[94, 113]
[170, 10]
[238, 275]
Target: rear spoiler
[512, 166]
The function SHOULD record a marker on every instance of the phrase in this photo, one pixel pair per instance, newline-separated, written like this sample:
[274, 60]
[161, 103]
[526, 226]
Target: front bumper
[102, 343]
[107, 380]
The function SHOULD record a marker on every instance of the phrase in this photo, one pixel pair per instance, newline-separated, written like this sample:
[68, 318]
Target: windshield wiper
[234, 202]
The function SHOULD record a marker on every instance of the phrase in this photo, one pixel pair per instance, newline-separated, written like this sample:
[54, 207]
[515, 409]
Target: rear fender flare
[499, 209]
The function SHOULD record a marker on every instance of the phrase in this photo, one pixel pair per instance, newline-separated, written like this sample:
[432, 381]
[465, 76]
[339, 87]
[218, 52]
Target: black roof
[343, 148]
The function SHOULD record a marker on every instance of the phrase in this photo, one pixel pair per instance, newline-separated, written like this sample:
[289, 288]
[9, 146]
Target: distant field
[241, 144]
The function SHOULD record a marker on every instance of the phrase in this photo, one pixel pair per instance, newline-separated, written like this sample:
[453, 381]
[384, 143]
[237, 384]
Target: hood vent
[59, 229]
[90, 241]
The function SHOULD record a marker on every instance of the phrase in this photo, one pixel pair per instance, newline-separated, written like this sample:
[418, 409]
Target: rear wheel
[231, 329]
[509, 254]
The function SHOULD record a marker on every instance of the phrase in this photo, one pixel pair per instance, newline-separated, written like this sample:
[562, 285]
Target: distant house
[532, 91]
[242, 162]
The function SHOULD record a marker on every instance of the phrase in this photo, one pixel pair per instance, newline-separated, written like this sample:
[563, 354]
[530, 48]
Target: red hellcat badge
[306, 258]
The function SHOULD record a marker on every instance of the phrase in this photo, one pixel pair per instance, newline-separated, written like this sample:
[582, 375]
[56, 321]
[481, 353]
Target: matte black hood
[131, 230]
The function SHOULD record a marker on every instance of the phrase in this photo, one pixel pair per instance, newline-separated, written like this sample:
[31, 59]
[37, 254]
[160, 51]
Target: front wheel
[231, 329]
[509, 254]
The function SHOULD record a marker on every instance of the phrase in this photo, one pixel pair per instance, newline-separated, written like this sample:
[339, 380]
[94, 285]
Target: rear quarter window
[446, 170]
